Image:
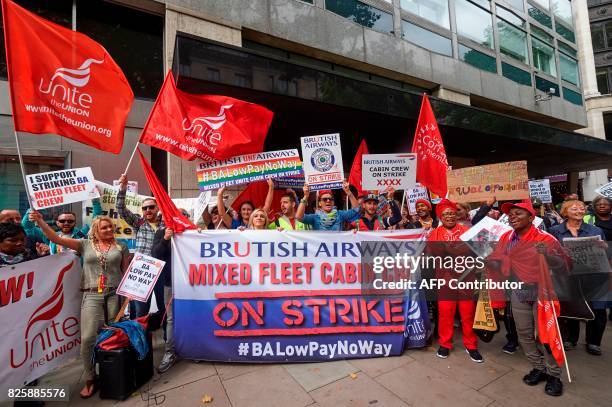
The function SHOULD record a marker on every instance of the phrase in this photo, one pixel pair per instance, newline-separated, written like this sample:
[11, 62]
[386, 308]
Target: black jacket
[161, 250]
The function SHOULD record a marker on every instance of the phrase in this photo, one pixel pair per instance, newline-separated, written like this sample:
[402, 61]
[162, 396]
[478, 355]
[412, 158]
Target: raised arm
[227, 219]
[131, 218]
[301, 210]
[269, 197]
[70, 243]
[395, 210]
[347, 190]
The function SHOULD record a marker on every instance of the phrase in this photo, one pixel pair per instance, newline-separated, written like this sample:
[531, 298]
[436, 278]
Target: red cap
[526, 204]
[424, 202]
[444, 204]
[325, 191]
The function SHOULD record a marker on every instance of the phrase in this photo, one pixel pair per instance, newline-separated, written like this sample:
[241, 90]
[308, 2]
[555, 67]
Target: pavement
[417, 378]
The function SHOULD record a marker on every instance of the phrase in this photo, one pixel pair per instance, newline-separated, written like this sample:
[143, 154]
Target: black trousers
[511, 334]
[594, 329]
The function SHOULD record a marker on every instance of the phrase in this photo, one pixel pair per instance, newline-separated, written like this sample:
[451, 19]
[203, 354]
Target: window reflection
[512, 41]
[426, 39]
[543, 57]
[474, 23]
[362, 13]
[435, 11]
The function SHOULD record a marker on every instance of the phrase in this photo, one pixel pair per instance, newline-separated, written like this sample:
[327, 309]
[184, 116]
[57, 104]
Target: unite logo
[65, 94]
[204, 129]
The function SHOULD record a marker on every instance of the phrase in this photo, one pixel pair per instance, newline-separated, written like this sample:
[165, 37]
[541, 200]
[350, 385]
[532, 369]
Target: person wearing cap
[573, 212]
[425, 220]
[371, 220]
[448, 301]
[327, 216]
[517, 258]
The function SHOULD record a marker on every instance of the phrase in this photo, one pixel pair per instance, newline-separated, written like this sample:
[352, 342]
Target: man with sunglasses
[327, 216]
[145, 226]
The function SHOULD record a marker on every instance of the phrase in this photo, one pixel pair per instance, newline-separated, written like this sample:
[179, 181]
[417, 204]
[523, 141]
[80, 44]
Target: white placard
[540, 188]
[605, 190]
[322, 161]
[139, 279]
[380, 171]
[55, 188]
[132, 186]
[413, 195]
[482, 235]
[588, 254]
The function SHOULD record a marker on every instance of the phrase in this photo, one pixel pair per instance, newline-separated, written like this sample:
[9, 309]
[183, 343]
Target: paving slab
[228, 371]
[376, 366]
[421, 385]
[266, 387]
[313, 375]
[361, 391]
[183, 372]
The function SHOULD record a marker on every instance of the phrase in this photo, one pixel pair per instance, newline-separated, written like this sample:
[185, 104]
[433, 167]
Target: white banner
[139, 279]
[55, 188]
[605, 190]
[40, 304]
[413, 195]
[540, 188]
[323, 161]
[380, 171]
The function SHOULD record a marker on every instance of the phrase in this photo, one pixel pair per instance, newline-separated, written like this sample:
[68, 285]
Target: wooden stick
[122, 310]
[23, 174]
[569, 377]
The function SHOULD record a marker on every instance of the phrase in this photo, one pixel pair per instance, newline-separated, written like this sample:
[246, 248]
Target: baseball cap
[371, 197]
[523, 205]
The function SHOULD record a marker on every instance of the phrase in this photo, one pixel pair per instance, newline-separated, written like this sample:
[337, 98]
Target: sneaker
[443, 352]
[475, 355]
[554, 387]
[510, 348]
[569, 345]
[534, 377]
[593, 350]
[168, 360]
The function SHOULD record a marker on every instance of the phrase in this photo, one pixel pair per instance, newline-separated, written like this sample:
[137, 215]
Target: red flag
[209, 127]
[173, 218]
[355, 175]
[548, 329]
[256, 192]
[431, 156]
[63, 82]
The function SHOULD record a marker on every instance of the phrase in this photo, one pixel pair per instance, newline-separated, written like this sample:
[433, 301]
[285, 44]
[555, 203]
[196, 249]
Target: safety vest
[589, 219]
[285, 223]
[362, 227]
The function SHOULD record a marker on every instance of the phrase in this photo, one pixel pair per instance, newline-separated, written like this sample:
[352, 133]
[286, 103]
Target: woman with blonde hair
[104, 262]
[258, 220]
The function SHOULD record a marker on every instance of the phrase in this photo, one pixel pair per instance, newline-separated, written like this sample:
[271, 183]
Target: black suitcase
[121, 373]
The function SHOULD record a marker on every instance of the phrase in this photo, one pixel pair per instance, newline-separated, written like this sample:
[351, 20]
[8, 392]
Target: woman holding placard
[104, 262]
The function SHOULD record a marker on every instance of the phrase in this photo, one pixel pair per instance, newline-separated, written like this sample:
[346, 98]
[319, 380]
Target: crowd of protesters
[105, 259]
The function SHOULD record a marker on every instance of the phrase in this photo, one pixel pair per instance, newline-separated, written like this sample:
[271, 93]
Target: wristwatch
[304, 201]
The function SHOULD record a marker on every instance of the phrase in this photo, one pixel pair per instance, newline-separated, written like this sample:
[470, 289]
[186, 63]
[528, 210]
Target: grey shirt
[92, 268]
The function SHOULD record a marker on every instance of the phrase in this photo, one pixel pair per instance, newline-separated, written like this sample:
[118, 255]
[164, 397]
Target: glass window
[543, 57]
[511, 17]
[362, 13]
[543, 3]
[602, 81]
[563, 10]
[567, 49]
[572, 97]
[512, 41]
[435, 11]
[474, 23]
[545, 86]
[609, 34]
[517, 75]
[477, 59]
[597, 36]
[133, 38]
[517, 4]
[569, 69]
[541, 34]
[426, 39]
[483, 3]
[540, 16]
[565, 32]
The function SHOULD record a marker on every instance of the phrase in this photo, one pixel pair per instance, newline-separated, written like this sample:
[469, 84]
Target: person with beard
[517, 258]
[371, 220]
[288, 203]
[425, 220]
[327, 216]
[448, 301]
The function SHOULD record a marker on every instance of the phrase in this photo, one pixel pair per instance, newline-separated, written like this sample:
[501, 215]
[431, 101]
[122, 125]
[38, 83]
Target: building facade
[505, 77]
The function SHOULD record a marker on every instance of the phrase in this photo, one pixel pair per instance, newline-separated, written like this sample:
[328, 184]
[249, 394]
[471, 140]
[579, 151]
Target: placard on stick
[55, 188]
[380, 171]
[139, 279]
[506, 181]
[323, 161]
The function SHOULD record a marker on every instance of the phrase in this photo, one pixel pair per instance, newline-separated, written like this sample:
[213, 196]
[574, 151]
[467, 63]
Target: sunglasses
[327, 199]
[62, 221]
[149, 207]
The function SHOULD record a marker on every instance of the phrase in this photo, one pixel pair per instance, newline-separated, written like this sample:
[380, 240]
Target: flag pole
[131, 157]
[403, 200]
[23, 174]
[569, 377]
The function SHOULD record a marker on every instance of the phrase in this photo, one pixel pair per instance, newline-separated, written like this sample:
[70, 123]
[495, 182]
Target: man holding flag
[524, 255]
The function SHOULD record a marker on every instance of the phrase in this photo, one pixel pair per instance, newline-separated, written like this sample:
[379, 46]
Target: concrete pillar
[182, 181]
[586, 60]
[452, 95]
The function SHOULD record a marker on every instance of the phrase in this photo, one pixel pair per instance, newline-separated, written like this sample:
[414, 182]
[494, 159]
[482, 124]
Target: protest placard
[380, 171]
[293, 182]
[194, 206]
[139, 279]
[605, 190]
[540, 188]
[323, 161]
[248, 168]
[588, 255]
[108, 201]
[414, 194]
[482, 235]
[506, 181]
[40, 304]
[132, 186]
[49, 189]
